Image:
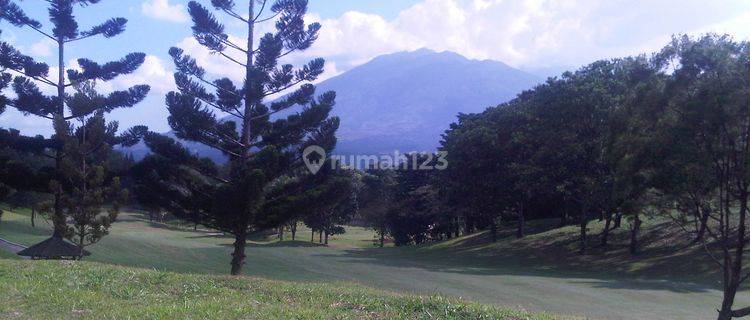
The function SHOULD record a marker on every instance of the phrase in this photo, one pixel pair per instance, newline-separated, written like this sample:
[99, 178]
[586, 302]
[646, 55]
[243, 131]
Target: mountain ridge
[404, 101]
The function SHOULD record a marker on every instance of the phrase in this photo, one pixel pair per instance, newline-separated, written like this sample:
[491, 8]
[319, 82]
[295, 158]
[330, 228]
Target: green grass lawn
[86, 290]
[538, 273]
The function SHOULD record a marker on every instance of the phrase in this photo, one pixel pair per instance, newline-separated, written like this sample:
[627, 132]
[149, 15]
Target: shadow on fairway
[509, 264]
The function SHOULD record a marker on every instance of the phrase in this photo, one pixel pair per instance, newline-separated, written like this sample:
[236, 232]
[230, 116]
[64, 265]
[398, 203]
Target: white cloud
[527, 33]
[152, 72]
[162, 10]
[215, 64]
[43, 48]
[534, 34]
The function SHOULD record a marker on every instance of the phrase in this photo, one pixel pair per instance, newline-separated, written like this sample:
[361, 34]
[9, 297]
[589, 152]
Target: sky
[543, 37]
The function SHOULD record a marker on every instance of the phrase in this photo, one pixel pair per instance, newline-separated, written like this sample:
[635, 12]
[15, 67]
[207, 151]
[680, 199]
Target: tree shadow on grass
[665, 264]
[509, 264]
[23, 228]
[278, 244]
[286, 244]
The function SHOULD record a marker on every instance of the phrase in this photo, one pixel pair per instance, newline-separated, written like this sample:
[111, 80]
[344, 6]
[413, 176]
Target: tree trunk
[520, 233]
[634, 234]
[702, 226]
[238, 256]
[58, 219]
[326, 238]
[605, 232]
[584, 224]
[33, 218]
[618, 220]
[293, 229]
[733, 274]
[312, 235]
[382, 237]
[281, 233]
[81, 238]
[320, 236]
[493, 230]
[563, 218]
[457, 227]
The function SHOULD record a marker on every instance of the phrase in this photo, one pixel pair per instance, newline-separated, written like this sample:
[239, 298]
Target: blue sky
[543, 36]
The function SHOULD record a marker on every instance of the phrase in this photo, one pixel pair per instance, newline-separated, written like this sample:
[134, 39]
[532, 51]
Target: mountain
[405, 101]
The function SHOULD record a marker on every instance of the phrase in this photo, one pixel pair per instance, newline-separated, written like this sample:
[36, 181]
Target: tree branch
[741, 312]
[235, 15]
[220, 148]
[13, 105]
[42, 32]
[260, 12]
[266, 19]
[232, 59]
[282, 89]
[219, 88]
[40, 79]
[79, 38]
[232, 45]
[209, 103]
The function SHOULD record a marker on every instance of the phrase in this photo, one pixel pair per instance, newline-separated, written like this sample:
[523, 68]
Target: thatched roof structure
[54, 248]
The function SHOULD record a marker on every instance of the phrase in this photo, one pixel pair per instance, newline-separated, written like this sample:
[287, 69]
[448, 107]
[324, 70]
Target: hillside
[404, 101]
[85, 290]
[541, 272]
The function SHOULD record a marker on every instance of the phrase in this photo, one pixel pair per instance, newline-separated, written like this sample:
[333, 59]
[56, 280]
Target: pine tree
[30, 74]
[87, 169]
[265, 155]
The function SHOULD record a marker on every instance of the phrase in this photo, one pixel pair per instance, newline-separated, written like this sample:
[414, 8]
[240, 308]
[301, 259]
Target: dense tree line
[666, 134]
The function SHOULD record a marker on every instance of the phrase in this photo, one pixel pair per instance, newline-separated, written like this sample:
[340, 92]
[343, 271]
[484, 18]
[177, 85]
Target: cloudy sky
[539, 36]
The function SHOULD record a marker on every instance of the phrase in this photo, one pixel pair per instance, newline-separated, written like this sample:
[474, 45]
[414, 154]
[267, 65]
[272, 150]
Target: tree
[86, 168]
[708, 107]
[18, 173]
[29, 199]
[30, 74]
[330, 203]
[376, 199]
[265, 154]
[412, 217]
[24, 171]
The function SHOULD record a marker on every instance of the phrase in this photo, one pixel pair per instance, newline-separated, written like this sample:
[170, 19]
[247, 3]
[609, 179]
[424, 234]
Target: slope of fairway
[86, 290]
[468, 267]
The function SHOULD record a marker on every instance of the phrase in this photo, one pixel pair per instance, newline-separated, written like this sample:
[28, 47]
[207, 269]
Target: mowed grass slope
[542, 272]
[665, 252]
[86, 290]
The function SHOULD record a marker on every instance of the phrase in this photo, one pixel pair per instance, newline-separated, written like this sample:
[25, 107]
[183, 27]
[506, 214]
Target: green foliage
[265, 181]
[88, 182]
[86, 106]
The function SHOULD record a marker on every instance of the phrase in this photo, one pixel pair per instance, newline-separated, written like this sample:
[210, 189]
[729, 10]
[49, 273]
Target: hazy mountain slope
[404, 101]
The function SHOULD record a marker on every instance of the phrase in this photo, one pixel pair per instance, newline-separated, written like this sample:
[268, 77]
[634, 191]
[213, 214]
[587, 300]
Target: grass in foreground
[541, 272]
[86, 290]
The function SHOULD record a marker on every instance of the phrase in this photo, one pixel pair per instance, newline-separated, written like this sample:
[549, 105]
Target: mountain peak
[404, 101]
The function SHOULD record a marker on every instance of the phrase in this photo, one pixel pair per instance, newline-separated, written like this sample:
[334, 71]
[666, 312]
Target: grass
[541, 272]
[7, 255]
[85, 290]
[666, 252]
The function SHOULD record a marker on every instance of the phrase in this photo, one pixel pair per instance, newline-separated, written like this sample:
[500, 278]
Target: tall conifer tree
[30, 99]
[265, 154]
